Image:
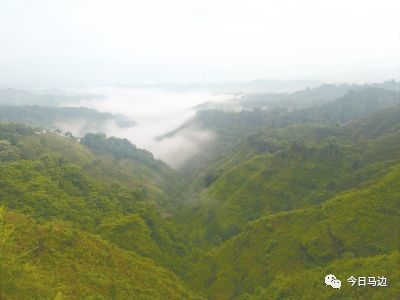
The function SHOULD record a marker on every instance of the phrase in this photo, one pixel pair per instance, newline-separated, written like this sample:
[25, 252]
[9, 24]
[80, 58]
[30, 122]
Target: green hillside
[55, 259]
[274, 251]
[296, 287]
[291, 168]
[50, 177]
[280, 200]
[139, 171]
[232, 128]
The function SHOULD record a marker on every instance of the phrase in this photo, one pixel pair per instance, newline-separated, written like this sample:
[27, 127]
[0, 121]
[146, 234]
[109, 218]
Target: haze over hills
[325, 104]
[182, 149]
[307, 184]
[237, 87]
[157, 130]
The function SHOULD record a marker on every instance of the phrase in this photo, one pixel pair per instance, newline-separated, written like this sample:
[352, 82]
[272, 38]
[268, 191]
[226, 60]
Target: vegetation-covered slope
[290, 168]
[55, 259]
[291, 196]
[276, 250]
[300, 99]
[136, 169]
[50, 177]
[232, 128]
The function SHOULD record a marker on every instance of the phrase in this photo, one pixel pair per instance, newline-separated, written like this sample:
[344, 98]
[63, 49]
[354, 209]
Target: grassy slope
[296, 167]
[361, 223]
[79, 265]
[157, 181]
[296, 287]
[54, 178]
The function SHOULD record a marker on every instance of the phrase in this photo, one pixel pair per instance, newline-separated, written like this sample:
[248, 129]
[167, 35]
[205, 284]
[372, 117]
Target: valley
[294, 186]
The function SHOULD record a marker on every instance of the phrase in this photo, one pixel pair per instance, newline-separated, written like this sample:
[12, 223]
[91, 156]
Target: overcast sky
[67, 42]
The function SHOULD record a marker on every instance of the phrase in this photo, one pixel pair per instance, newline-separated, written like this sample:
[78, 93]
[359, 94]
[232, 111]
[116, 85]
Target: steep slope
[58, 259]
[50, 177]
[232, 128]
[136, 169]
[354, 104]
[295, 287]
[359, 226]
[290, 168]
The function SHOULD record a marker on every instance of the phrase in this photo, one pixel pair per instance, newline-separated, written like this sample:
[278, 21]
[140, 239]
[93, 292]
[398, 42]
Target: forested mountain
[45, 109]
[295, 100]
[284, 197]
[57, 260]
[303, 164]
[50, 177]
[233, 127]
[119, 148]
[353, 233]
[288, 101]
[85, 120]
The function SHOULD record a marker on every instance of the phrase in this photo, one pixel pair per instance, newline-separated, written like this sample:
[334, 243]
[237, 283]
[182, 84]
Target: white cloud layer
[157, 112]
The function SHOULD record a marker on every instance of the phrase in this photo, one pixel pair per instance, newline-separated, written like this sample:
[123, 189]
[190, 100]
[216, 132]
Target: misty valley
[245, 191]
[214, 149]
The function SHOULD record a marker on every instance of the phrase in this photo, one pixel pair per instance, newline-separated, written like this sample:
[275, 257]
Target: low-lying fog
[156, 112]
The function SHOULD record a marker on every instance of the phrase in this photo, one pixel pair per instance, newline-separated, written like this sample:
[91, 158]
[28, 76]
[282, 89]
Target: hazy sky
[57, 42]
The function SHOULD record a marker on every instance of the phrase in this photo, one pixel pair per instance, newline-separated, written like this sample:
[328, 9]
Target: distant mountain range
[44, 108]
